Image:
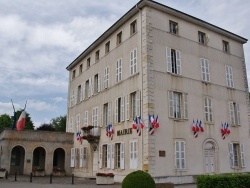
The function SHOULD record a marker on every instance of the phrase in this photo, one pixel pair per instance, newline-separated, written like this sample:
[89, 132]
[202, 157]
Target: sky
[40, 38]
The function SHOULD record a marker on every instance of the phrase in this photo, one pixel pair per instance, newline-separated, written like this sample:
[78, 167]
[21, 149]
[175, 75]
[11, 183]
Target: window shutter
[120, 69]
[238, 114]
[105, 78]
[207, 70]
[117, 71]
[185, 111]
[231, 76]
[81, 157]
[230, 145]
[127, 107]
[231, 112]
[168, 57]
[242, 155]
[176, 154]
[178, 61]
[100, 120]
[122, 108]
[112, 156]
[138, 103]
[183, 157]
[85, 157]
[92, 86]
[203, 75]
[99, 82]
[72, 161]
[83, 90]
[97, 118]
[116, 110]
[108, 155]
[171, 103]
[100, 156]
[122, 156]
[131, 152]
[89, 89]
[109, 112]
[135, 155]
[108, 77]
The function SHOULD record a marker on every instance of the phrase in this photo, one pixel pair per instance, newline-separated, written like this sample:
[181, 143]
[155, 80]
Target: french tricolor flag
[134, 126]
[21, 121]
[141, 122]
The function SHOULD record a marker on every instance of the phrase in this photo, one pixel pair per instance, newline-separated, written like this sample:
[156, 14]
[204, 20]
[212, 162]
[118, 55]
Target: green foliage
[29, 124]
[222, 181]
[46, 127]
[59, 123]
[5, 122]
[138, 179]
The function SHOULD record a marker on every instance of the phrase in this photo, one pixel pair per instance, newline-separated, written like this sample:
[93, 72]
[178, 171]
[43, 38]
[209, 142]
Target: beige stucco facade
[220, 99]
[23, 151]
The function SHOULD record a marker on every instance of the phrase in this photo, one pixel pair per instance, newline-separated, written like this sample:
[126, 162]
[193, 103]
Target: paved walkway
[59, 182]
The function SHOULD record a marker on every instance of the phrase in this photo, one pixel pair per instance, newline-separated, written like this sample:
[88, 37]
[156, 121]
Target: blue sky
[38, 39]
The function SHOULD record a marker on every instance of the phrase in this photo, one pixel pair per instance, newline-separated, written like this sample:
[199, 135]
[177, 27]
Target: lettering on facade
[124, 132]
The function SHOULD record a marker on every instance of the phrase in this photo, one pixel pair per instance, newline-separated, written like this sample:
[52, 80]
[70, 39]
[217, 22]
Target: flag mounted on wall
[110, 131]
[138, 125]
[197, 127]
[225, 130]
[153, 124]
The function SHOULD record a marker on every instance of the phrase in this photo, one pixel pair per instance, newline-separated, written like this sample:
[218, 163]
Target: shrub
[222, 181]
[138, 179]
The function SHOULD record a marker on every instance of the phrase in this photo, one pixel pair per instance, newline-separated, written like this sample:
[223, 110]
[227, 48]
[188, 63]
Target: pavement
[60, 182]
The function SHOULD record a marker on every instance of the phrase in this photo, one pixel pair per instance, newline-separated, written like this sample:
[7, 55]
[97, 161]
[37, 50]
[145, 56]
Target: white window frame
[208, 109]
[95, 117]
[133, 61]
[234, 113]
[133, 154]
[118, 70]
[237, 155]
[73, 157]
[205, 72]
[174, 105]
[229, 76]
[173, 62]
[180, 155]
[86, 120]
[78, 119]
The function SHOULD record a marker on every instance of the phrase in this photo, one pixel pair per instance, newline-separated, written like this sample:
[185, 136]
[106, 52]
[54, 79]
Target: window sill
[132, 34]
[181, 170]
[209, 122]
[174, 74]
[175, 34]
[231, 88]
[179, 119]
[206, 82]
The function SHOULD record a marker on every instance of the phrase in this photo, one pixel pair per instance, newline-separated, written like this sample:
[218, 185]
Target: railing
[91, 133]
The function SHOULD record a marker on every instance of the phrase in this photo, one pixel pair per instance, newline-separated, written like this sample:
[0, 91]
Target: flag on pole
[157, 124]
[110, 131]
[141, 122]
[134, 126]
[21, 121]
[201, 128]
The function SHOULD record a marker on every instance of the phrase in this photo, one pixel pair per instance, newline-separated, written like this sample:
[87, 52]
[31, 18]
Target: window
[73, 157]
[83, 157]
[178, 105]
[97, 83]
[133, 154]
[234, 112]
[225, 46]
[107, 47]
[88, 62]
[180, 159]
[202, 37]
[119, 38]
[70, 128]
[208, 109]
[229, 76]
[80, 69]
[118, 70]
[79, 94]
[86, 122]
[95, 117]
[173, 27]
[205, 73]
[97, 55]
[73, 74]
[104, 156]
[72, 98]
[78, 123]
[133, 62]
[133, 27]
[118, 155]
[173, 61]
[87, 88]
[107, 113]
[119, 109]
[237, 155]
[106, 81]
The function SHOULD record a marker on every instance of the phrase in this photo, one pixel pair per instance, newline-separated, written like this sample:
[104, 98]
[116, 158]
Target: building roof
[160, 7]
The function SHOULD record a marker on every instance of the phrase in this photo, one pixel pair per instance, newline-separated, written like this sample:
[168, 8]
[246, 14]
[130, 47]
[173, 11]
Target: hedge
[224, 181]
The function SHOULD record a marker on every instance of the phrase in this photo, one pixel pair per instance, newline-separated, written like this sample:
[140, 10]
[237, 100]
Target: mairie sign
[124, 131]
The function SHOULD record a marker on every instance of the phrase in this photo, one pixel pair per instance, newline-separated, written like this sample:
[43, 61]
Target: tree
[46, 127]
[5, 121]
[29, 123]
[59, 123]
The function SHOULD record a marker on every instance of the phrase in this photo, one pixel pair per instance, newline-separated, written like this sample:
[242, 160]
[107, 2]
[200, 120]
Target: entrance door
[95, 162]
[209, 161]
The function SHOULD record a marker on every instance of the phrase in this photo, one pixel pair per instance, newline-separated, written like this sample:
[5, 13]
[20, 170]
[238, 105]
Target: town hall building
[160, 91]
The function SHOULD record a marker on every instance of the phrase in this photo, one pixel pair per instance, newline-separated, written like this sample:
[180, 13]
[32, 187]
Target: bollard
[15, 175]
[30, 177]
[6, 175]
[50, 181]
[72, 178]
